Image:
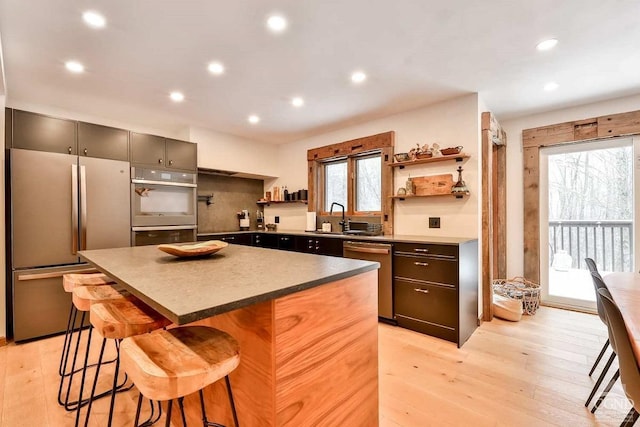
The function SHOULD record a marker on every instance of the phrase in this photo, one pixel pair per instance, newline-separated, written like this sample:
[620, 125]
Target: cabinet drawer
[432, 304]
[429, 269]
[447, 251]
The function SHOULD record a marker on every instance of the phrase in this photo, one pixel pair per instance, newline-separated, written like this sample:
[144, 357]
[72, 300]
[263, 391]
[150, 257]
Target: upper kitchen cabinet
[103, 142]
[33, 131]
[157, 151]
[181, 155]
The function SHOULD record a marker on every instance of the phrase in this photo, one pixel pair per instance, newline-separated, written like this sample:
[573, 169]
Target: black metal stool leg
[606, 391]
[233, 405]
[70, 406]
[168, 420]
[137, 419]
[95, 381]
[631, 418]
[82, 379]
[114, 390]
[600, 378]
[181, 405]
[67, 337]
[604, 348]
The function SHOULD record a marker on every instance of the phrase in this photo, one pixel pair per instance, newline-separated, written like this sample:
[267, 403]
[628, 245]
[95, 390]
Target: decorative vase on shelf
[460, 187]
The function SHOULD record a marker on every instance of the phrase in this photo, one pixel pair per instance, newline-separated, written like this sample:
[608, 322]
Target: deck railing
[609, 243]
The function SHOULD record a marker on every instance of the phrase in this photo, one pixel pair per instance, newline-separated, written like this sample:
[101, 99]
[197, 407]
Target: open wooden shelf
[457, 157]
[261, 202]
[457, 196]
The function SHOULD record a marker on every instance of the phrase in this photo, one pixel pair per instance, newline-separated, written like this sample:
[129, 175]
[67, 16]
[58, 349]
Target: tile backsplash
[230, 195]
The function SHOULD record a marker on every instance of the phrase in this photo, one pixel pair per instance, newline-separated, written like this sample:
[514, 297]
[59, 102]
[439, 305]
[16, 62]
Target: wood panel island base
[310, 358]
[308, 337]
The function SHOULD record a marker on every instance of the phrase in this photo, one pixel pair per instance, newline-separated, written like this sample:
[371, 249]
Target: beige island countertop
[188, 289]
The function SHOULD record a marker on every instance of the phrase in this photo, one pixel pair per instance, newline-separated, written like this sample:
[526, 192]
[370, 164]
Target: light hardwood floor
[531, 373]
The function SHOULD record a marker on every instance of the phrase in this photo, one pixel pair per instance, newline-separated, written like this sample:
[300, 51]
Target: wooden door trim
[602, 127]
[493, 247]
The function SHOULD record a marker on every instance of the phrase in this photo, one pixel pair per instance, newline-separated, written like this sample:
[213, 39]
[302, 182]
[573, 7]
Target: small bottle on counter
[286, 194]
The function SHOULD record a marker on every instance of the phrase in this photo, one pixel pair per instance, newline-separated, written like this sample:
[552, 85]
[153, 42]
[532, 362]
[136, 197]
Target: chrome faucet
[343, 222]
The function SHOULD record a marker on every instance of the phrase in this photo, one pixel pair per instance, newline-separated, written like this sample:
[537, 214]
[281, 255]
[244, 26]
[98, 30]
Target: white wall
[449, 123]
[218, 150]
[514, 128]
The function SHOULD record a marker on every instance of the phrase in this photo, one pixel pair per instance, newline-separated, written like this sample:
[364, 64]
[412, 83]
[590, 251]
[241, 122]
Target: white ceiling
[415, 52]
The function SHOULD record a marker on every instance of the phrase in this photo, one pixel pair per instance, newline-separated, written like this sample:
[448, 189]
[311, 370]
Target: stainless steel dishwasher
[382, 253]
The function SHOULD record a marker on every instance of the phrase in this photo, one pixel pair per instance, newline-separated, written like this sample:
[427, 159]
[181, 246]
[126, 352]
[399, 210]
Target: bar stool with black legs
[82, 297]
[117, 320]
[167, 365]
[70, 282]
[629, 370]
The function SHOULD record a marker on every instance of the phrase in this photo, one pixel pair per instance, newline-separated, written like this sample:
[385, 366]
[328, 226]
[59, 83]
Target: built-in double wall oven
[163, 206]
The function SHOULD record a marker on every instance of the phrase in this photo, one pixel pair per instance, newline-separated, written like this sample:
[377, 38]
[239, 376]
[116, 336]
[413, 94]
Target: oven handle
[169, 184]
[165, 227]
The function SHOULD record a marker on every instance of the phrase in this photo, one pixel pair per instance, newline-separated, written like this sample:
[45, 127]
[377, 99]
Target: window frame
[351, 150]
[352, 177]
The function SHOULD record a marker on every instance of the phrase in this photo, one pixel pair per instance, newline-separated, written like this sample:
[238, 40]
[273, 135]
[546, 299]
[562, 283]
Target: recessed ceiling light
[253, 119]
[74, 66]
[547, 44]
[94, 19]
[358, 77]
[297, 101]
[176, 96]
[216, 68]
[551, 86]
[277, 23]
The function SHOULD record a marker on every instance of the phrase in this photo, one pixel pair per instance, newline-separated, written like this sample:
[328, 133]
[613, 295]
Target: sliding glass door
[587, 209]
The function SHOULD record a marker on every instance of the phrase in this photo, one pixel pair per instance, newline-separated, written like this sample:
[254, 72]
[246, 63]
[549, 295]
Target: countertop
[393, 238]
[189, 289]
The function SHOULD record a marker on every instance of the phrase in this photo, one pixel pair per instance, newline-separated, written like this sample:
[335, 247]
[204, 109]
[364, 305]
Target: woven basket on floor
[521, 289]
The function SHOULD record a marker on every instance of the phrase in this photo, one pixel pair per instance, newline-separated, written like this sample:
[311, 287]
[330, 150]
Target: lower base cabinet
[436, 289]
[435, 286]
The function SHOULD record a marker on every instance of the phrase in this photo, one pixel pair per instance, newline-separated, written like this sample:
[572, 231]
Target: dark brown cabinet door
[181, 155]
[103, 142]
[147, 149]
[430, 309]
[428, 269]
[33, 131]
[329, 246]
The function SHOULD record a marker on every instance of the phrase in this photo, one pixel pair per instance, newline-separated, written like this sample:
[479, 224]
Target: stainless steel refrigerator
[60, 204]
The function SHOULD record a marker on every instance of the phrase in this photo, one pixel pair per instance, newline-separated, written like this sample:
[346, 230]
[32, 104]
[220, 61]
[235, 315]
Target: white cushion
[507, 308]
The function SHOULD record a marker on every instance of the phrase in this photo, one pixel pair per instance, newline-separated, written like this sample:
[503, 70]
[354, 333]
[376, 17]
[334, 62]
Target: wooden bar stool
[69, 282]
[117, 320]
[82, 298]
[171, 364]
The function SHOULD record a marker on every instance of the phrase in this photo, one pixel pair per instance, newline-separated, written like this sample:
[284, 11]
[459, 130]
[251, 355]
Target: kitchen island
[306, 324]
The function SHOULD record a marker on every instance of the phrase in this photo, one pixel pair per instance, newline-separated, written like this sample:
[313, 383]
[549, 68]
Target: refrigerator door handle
[83, 208]
[74, 209]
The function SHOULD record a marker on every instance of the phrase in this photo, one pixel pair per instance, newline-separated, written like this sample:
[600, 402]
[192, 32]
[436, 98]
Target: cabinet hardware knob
[69, 149]
[160, 161]
[170, 162]
[421, 264]
[422, 250]
[423, 291]
[85, 151]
